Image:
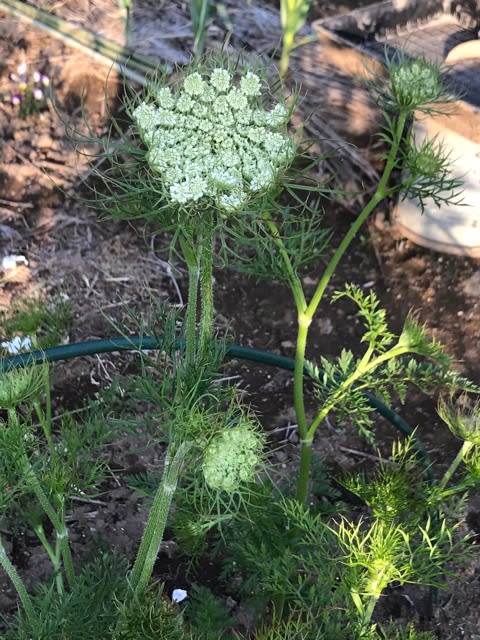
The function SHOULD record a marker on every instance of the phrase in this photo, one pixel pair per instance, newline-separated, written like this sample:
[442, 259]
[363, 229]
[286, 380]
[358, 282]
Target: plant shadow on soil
[103, 266]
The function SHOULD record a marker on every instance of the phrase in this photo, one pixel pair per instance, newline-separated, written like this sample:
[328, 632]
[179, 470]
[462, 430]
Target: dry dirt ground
[103, 266]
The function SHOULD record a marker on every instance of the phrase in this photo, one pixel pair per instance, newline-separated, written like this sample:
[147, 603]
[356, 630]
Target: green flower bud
[20, 385]
[462, 419]
[427, 160]
[232, 457]
[415, 83]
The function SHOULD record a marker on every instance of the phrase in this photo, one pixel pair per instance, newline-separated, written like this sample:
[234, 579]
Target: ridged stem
[191, 260]
[157, 520]
[206, 286]
[17, 582]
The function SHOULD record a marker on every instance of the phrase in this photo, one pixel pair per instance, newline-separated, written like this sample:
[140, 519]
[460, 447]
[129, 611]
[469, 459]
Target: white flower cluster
[209, 139]
[231, 457]
[416, 83]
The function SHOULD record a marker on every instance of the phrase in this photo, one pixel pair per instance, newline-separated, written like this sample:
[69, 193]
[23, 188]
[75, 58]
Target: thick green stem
[303, 324]
[465, 448]
[17, 582]
[287, 46]
[206, 286]
[157, 520]
[368, 611]
[299, 375]
[191, 316]
[380, 193]
[304, 472]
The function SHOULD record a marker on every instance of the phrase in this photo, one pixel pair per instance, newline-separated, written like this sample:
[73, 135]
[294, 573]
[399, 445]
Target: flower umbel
[416, 83]
[412, 84]
[462, 418]
[232, 457]
[210, 138]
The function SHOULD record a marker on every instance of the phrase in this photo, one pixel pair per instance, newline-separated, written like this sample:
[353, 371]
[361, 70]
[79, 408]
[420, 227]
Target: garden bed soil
[102, 267]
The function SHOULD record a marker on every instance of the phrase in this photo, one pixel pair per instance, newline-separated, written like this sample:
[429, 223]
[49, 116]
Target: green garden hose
[136, 343]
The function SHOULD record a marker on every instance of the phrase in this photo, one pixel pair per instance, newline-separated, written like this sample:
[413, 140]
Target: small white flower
[194, 85]
[179, 595]
[221, 105]
[250, 84]
[232, 202]
[164, 98]
[17, 344]
[232, 457]
[237, 99]
[185, 103]
[277, 116]
[220, 80]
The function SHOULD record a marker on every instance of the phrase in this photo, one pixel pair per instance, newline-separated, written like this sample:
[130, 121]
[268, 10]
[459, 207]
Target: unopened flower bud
[416, 82]
[462, 419]
[232, 457]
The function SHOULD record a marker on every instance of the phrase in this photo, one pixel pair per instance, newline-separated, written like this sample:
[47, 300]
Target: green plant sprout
[409, 87]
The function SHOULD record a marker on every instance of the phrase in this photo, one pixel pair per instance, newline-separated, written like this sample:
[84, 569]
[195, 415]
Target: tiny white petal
[17, 344]
[179, 595]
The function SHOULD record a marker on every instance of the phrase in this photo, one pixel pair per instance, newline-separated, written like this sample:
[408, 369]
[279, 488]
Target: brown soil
[103, 266]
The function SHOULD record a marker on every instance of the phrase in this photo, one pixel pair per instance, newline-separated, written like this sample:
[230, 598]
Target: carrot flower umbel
[211, 139]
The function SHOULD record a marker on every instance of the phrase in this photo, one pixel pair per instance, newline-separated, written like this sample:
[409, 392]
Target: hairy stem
[157, 520]
[17, 582]
[192, 300]
[206, 285]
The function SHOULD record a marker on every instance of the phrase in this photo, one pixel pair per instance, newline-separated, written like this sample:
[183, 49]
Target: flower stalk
[157, 520]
